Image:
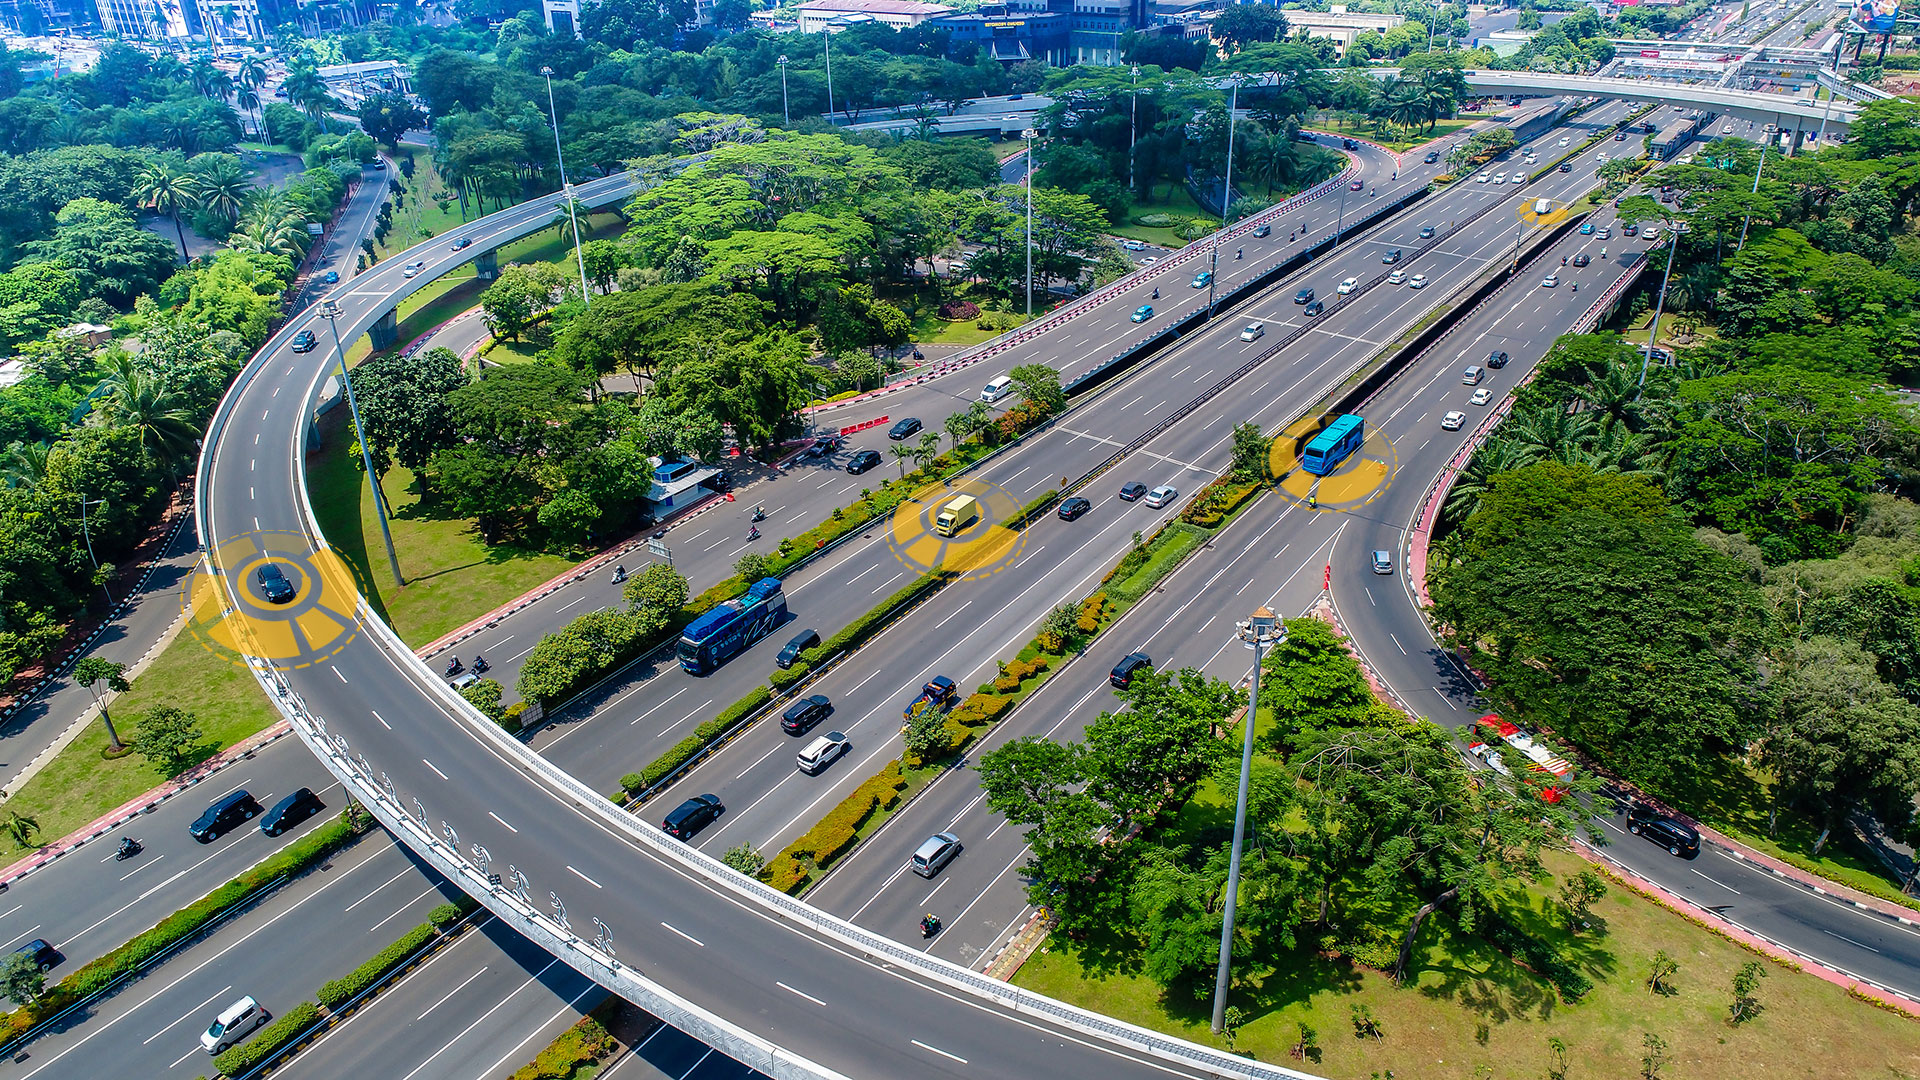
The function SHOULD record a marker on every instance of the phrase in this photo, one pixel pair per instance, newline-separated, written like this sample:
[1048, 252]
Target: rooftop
[876, 7]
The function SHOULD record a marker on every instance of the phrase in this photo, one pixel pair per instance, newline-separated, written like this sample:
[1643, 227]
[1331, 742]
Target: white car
[1348, 286]
[1481, 396]
[1397, 277]
[1149, 260]
[1564, 140]
[1453, 421]
[1133, 245]
[1726, 129]
[1550, 281]
[1161, 496]
[1482, 178]
[1417, 281]
[1253, 332]
[233, 1024]
[1500, 178]
[1603, 158]
[1518, 178]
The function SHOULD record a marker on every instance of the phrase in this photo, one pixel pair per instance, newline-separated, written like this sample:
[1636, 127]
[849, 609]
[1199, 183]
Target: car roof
[933, 844]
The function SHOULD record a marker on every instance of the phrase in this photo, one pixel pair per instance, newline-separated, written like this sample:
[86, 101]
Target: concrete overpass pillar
[486, 265]
[384, 331]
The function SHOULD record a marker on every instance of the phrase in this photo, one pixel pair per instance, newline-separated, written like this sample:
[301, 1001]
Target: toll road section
[967, 527]
[293, 605]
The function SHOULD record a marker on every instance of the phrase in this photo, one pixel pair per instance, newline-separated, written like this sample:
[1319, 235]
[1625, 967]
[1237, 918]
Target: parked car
[862, 460]
[935, 852]
[1677, 837]
[1253, 331]
[1132, 490]
[1073, 508]
[1143, 313]
[1453, 421]
[804, 713]
[1130, 665]
[1133, 245]
[686, 820]
[904, 429]
[1161, 496]
[304, 341]
[274, 584]
[790, 652]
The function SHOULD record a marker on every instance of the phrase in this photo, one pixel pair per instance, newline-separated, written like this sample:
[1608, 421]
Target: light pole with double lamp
[1133, 125]
[785, 118]
[330, 311]
[566, 189]
[1263, 631]
[1226, 196]
[1029, 134]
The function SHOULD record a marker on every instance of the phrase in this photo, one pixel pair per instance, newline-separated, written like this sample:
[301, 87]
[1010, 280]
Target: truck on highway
[961, 512]
[720, 634]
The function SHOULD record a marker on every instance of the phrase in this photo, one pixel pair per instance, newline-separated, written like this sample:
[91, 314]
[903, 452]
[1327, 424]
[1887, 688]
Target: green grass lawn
[452, 577]
[421, 218]
[78, 785]
[1472, 1013]
[512, 352]
[1173, 200]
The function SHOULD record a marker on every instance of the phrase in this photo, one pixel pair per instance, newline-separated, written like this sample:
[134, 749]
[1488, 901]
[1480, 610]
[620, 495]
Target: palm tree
[23, 465]
[225, 190]
[308, 93]
[252, 77]
[270, 223]
[1550, 432]
[1271, 159]
[165, 189]
[1611, 394]
[103, 677]
[142, 401]
[1495, 457]
[21, 827]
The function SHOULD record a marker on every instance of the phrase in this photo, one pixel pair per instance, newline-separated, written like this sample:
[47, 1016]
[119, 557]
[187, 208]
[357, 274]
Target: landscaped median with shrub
[100, 974]
[270, 1041]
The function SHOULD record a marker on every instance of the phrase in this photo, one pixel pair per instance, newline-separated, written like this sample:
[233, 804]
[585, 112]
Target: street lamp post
[566, 189]
[826, 42]
[785, 118]
[1263, 630]
[1029, 135]
[1226, 197]
[1659, 304]
[330, 311]
[1133, 125]
[88, 537]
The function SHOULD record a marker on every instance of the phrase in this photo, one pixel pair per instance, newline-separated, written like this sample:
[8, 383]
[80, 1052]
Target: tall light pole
[1263, 630]
[1748, 218]
[330, 311]
[826, 42]
[1226, 196]
[1660, 303]
[1133, 126]
[566, 189]
[785, 118]
[1029, 135]
[88, 537]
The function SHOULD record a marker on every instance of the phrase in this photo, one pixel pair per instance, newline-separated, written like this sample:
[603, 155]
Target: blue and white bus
[720, 634]
[1335, 444]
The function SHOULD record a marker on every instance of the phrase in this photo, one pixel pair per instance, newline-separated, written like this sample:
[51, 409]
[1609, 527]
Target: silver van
[996, 388]
[1473, 375]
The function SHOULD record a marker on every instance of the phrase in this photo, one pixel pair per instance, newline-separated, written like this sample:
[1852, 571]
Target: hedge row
[1012, 675]
[979, 709]
[99, 974]
[1218, 499]
[833, 834]
[337, 992]
[587, 1042]
[585, 651]
[269, 1042]
[684, 750]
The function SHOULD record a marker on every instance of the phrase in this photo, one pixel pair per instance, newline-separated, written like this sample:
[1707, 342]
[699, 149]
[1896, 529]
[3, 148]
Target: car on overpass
[1142, 313]
[304, 341]
[1201, 280]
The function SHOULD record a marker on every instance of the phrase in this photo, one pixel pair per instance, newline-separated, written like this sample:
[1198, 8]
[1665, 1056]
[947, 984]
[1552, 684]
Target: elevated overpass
[1788, 113]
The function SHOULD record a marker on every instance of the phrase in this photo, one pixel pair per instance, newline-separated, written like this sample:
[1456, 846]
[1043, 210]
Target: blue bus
[715, 637]
[1335, 444]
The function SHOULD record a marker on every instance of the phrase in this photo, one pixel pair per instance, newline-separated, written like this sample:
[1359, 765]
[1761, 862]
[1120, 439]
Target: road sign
[658, 548]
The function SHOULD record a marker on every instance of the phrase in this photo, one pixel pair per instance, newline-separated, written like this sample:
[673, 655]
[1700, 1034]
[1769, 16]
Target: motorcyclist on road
[619, 574]
[1156, 294]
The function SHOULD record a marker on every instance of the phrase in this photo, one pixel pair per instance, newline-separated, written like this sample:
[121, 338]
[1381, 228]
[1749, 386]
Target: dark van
[1123, 672]
[790, 652]
[290, 811]
[224, 814]
[803, 714]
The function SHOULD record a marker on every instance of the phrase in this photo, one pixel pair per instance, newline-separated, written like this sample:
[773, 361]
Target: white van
[1473, 375]
[1543, 207]
[1349, 285]
[234, 1023]
[996, 388]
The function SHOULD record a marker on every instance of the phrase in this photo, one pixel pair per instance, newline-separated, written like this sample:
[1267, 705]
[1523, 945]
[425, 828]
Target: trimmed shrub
[999, 320]
[1215, 501]
[338, 992]
[585, 1043]
[1092, 611]
[959, 310]
[1012, 675]
[270, 1040]
[447, 914]
[781, 679]
[833, 834]
[979, 709]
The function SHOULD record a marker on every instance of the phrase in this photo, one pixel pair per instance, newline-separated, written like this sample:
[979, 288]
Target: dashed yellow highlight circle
[233, 619]
[1555, 215]
[1358, 481]
[982, 548]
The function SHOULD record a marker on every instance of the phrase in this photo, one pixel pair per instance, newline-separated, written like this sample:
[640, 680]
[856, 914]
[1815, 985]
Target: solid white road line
[801, 993]
[684, 934]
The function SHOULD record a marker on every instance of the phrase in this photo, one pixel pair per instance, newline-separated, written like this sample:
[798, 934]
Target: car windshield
[216, 1029]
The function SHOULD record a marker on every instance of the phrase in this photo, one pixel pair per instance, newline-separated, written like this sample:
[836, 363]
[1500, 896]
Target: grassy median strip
[102, 974]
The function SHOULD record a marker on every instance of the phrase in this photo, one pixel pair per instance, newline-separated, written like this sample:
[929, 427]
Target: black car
[1630, 229]
[463, 243]
[905, 429]
[1678, 839]
[938, 691]
[1432, 156]
[1073, 508]
[290, 811]
[691, 816]
[790, 652]
[1349, 144]
[1566, 166]
[1391, 257]
[1303, 296]
[304, 341]
[1132, 491]
[1497, 359]
[1581, 259]
[1123, 672]
[43, 954]
[1263, 230]
[862, 460]
[1313, 309]
[227, 811]
[274, 584]
[1619, 136]
[803, 714]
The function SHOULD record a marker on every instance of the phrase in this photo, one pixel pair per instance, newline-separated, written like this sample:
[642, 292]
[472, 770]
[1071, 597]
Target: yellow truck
[963, 511]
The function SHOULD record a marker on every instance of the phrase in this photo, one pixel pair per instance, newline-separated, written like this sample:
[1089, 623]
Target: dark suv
[803, 714]
[862, 460]
[290, 811]
[43, 955]
[229, 810]
[1678, 839]
[1497, 359]
[274, 584]
[691, 816]
[1123, 672]
[790, 652]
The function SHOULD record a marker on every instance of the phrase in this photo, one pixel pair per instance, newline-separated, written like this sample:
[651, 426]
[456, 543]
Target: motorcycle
[929, 926]
[759, 514]
[619, 574]
[1239, 253]
[129, 847]
[480, 665]
[1563, 260]
[1156, 294]
[753, 533]
[454, 667]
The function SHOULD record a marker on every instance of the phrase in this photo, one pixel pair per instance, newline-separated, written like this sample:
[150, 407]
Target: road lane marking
[1397, 645]
[382, 719]
[450, 993]
[656, 708]
[502, 821]
[378, 887]
[1850, 941]
[684, 719]
[801, 993]
[336, 671]
[1722, 884]
[956, 613]
[481, 1020]
[435, 768]
[402, 909]
[584, 877]
[939, 1051]
[684, 934]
